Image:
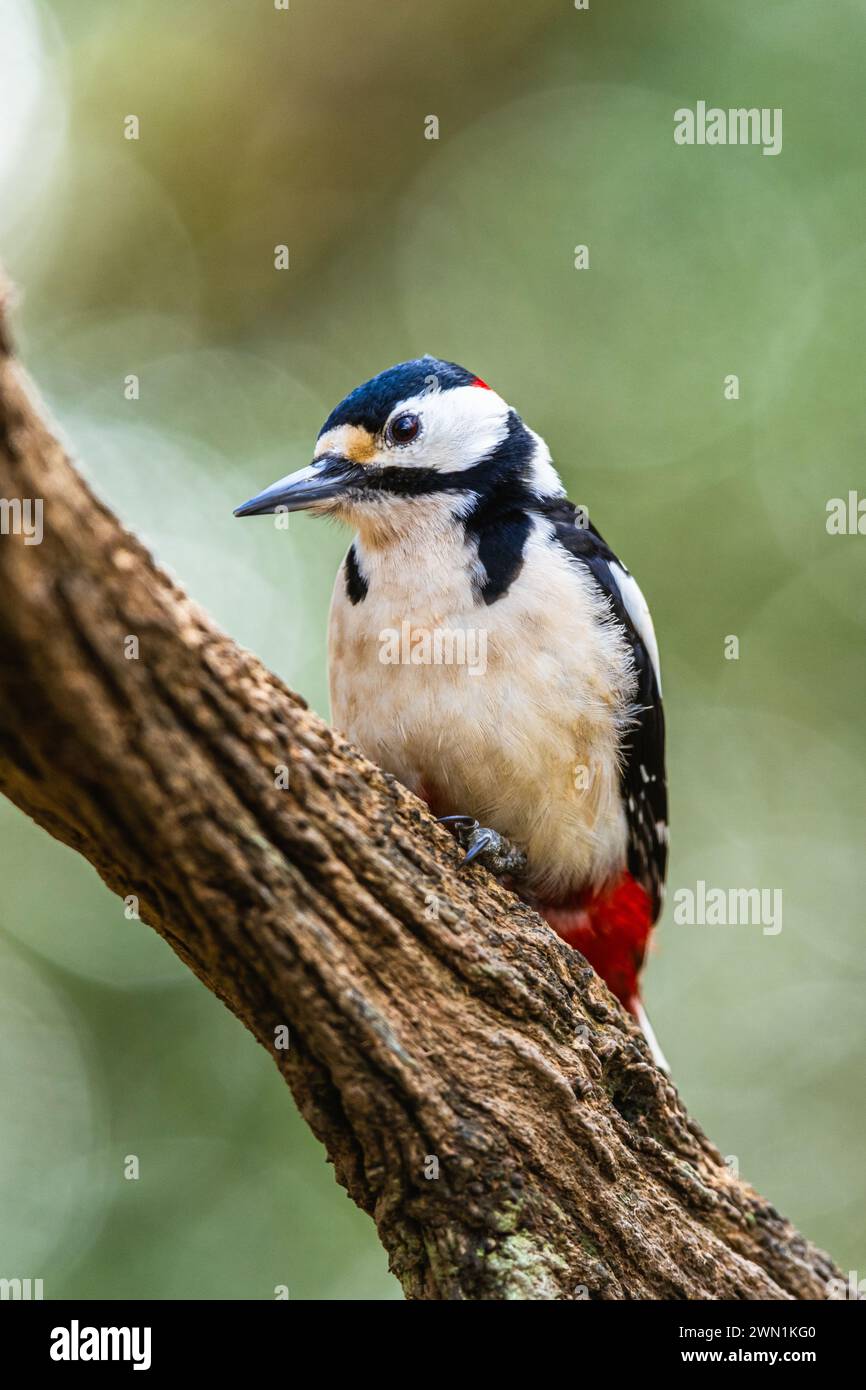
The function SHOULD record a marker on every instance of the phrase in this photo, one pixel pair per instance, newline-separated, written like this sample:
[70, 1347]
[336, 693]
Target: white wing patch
[638, 610]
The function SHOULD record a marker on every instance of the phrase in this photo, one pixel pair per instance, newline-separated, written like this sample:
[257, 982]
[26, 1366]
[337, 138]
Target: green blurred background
[305, 127]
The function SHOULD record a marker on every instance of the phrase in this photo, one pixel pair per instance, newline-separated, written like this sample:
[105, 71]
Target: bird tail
[636, 1007]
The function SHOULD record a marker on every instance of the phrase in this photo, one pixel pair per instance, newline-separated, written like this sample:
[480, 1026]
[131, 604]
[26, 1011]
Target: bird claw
[481, 842]
[458, 823]
[485, 846]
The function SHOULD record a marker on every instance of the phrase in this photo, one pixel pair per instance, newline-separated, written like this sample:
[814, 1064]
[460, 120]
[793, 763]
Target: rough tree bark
[431, 1014]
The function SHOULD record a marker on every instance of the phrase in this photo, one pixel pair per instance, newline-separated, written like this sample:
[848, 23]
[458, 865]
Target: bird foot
[486, 846]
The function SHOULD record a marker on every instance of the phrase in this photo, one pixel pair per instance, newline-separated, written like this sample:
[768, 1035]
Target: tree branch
[437, 1025]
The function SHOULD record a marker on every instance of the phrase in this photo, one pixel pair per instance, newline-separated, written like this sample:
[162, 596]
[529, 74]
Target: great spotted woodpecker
[490, 650]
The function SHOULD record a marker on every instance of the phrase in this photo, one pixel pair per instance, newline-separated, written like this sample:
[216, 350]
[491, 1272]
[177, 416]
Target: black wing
[643, 780]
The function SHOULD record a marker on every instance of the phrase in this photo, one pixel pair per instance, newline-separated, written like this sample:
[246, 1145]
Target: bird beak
[319, 482]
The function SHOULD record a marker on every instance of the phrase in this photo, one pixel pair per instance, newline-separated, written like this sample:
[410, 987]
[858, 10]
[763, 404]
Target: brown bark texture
[477, 1089]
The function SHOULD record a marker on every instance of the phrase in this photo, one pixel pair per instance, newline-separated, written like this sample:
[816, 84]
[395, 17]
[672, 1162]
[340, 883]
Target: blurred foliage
[155, 257]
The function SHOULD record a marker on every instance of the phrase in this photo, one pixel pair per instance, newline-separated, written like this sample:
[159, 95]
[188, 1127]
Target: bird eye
[404, 428]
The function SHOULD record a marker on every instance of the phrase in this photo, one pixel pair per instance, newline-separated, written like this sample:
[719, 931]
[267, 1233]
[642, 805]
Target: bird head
[423, 439]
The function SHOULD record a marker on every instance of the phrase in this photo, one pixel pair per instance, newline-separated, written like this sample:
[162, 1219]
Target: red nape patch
[482, 384]
[611, 929]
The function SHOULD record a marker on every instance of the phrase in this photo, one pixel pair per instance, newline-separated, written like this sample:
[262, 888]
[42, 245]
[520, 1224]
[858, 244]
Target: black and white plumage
[643, 778]
[463, 528]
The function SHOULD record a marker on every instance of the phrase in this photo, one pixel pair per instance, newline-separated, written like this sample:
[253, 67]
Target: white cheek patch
[638, 610]
[459, 427]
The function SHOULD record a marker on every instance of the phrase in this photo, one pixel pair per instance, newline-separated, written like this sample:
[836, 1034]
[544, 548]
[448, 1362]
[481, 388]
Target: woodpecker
[487, 647]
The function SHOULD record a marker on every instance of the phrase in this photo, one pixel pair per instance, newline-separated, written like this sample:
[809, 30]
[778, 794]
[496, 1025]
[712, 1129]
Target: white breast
[515, 717]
